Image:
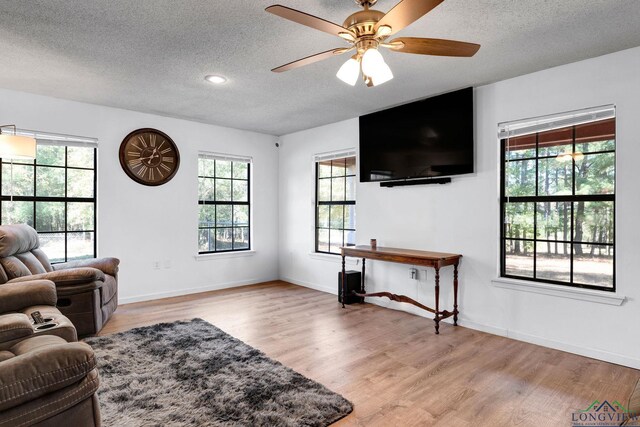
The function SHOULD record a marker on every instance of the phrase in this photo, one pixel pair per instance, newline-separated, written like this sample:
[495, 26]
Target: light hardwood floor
[391, 365]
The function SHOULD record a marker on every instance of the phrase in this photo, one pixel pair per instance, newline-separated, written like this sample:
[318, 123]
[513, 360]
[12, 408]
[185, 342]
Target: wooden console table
[435, 260]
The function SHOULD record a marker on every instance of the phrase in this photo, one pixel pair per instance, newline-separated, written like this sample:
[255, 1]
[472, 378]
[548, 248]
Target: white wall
[462, 217]
[140, 224]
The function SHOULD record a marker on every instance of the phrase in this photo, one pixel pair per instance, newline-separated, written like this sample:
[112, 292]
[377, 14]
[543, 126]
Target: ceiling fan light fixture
[349, 72]
[373, 66]
[382, 75]
[383, 31]
[347, 36]
[372, 61]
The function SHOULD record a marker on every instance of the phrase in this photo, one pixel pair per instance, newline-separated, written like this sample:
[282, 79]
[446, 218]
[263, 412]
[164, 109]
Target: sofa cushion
[20, 254]
[14, 267]
[32, 263]
[14, 326]
[17, 296]
[73, 405]
[3, 275]
[43, 258]
[16, 239]
[42, 364]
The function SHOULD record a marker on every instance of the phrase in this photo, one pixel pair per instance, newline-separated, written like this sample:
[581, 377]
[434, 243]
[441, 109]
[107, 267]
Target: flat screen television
[423, 139]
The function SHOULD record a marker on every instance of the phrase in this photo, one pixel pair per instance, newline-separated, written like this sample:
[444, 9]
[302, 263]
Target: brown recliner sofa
[46, 378]
[87, 289]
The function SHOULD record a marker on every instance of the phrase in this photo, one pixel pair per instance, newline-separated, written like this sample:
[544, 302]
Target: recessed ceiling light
[215, 79]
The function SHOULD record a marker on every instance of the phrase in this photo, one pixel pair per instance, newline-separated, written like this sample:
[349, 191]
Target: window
[56, 195]
[224, 203]
[335, 203]
[558, 199]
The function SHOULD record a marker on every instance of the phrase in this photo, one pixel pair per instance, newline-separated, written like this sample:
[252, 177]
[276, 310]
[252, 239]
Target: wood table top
[407, 256]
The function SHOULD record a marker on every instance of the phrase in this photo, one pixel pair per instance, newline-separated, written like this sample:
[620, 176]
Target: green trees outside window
[224, 205]
[558, 206]
[335, 204]
[55, 194]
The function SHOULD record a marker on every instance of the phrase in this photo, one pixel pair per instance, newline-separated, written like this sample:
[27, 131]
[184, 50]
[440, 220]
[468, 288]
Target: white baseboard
[195, 290]
[327, 289]
[490, 329]
[593, 353]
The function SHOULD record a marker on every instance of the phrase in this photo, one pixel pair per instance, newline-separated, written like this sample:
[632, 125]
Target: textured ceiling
[152, 55]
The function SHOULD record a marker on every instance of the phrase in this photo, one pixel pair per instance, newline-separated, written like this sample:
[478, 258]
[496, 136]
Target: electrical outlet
[156, 265]
[413, 273]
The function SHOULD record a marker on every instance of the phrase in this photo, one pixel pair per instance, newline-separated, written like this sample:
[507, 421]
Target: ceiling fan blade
[311, 59]
[406, 12]
[438, 47]
[306, 19]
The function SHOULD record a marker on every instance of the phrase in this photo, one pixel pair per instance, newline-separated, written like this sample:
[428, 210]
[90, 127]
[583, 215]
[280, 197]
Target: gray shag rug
[191, 373]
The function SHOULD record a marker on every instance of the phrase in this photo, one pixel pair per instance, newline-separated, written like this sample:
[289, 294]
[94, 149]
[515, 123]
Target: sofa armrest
[72, 277]
[25, 293]
[106, 265]
[42, 365]
[14, 326]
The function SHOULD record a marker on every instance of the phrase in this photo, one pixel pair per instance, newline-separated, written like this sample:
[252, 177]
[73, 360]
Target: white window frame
[319, 157]
[540, 124]
[236, 252]
[62, 140]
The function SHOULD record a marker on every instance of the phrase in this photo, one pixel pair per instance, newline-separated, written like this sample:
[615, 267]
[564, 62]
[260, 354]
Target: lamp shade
[372, 60]
[373, 65]
[382, 75]
[17, 147]
[349, 72]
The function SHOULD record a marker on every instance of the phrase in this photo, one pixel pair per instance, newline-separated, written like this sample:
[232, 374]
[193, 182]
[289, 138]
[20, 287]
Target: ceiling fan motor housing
[363, 23]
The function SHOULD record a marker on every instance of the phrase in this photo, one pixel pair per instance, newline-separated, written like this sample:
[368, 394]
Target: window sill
[556, 290]
[334, 258]
[206, 257]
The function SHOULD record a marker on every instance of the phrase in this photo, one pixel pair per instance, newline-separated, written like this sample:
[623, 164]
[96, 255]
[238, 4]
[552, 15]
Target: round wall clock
[149, 156]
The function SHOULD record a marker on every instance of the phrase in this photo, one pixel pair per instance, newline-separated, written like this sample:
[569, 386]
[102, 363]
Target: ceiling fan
[366, 31]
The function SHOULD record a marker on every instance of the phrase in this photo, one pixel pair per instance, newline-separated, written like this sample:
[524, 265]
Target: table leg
[437, 316]
[362, 282]
[344, 281]
[455, 294]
